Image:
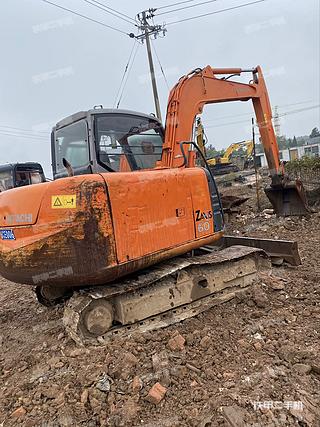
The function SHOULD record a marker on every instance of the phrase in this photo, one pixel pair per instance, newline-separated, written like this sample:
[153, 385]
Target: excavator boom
[205, 86]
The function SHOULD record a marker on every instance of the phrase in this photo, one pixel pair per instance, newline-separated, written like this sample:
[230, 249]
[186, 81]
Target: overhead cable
[250, 114]
[24, 130]
[161, 68]
[115, 13]
[186, 7]
[19, 135]
[174, 4]
[128, 73]
[215, 12]
[85, 17]
[125, 72]
[280, 115]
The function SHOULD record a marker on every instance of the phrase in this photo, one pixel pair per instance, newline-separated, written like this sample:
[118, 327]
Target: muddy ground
[251, 362]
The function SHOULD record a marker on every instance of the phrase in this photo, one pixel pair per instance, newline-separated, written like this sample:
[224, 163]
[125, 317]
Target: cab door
[71, 142]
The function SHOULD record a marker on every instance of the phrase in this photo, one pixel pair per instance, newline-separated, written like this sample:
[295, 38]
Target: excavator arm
[205, 86]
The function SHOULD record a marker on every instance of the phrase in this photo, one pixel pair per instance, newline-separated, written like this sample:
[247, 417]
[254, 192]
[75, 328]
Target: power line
[186, 7]
[250, 114]
[17, 133]
[174, 4]
[226, 124]
[114, 10]
[22, 134]
[280, 115]
[24, 130]
[215, 12]
[130, 68]
[299, 110]
[125, 72]
[86, 17]
[101, 6]
[162, 71]
[36, 140]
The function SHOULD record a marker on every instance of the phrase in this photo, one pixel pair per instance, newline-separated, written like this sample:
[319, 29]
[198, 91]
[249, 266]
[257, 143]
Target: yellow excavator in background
[234, 147]
[222, 164]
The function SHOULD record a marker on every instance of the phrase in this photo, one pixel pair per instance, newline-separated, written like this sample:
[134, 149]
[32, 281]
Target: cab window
[126, 142]
[6, 180]
[71, 143]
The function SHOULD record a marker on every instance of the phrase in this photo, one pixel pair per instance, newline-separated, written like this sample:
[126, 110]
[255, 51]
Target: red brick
[156, 393]
[176, 343]
[20, 412]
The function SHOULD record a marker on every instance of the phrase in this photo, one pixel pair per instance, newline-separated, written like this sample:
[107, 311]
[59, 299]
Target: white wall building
[312, 150]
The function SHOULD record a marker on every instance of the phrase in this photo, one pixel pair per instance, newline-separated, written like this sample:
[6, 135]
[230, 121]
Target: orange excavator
[129, 222]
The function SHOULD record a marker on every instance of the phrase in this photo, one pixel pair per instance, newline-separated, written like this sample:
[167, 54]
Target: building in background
[311, 148]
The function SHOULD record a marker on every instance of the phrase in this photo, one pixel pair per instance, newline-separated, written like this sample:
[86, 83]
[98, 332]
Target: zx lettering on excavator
[203, 215]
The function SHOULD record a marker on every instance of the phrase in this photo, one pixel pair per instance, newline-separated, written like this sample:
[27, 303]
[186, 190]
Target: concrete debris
[193, 368]
[302, 368]
[104, 383]
[258, 346]
[136, 384]
[260, 297]
[160, 361]
[84, 396]
[205, 342]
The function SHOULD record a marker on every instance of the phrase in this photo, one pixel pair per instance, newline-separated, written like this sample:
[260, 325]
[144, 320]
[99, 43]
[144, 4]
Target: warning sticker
[64, 201]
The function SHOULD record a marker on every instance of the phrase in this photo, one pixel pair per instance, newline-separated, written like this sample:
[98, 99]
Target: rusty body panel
[114, 226]
[64, 244]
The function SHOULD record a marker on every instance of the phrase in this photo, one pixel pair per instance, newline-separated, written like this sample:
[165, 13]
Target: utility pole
[147, 31]
[276, 121]
[255, 165]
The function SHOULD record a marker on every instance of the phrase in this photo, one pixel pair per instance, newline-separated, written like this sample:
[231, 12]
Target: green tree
[282, 142]
[213, 152]
[314, 133]
[289, 142]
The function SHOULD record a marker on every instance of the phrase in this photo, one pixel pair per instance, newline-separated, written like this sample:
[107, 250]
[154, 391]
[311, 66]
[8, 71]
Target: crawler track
[163, 295]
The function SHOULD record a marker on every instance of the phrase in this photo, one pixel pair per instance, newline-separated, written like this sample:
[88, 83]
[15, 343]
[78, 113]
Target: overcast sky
[55, 63]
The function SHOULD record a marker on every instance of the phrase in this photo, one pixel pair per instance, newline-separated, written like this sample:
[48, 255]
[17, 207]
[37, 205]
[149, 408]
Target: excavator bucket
[288, 199]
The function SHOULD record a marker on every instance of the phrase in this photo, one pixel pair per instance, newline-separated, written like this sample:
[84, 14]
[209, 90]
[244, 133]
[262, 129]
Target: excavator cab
[106, 140]
[20, 174]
